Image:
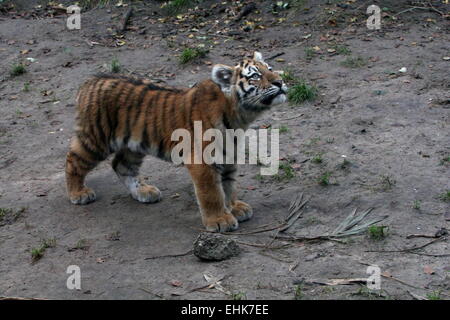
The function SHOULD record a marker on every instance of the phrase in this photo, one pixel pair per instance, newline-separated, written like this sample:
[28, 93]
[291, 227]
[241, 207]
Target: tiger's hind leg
[126, 164]
[81, 159]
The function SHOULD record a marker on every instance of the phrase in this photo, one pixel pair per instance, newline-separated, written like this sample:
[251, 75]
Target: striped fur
[132, 118]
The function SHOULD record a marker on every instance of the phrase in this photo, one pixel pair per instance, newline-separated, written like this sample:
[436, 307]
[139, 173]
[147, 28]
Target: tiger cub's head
[252, 82]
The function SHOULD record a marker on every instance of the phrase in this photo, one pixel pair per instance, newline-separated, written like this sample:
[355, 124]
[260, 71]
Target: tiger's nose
[278, 83]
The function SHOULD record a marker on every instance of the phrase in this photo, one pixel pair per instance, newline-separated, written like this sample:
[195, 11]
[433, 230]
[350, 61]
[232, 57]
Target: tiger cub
[132, 118]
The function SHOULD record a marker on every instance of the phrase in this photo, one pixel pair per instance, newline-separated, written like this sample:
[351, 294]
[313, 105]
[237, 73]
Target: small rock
[215, 247]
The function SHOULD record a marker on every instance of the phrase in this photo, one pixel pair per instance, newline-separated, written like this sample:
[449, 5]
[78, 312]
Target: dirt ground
[390, 127]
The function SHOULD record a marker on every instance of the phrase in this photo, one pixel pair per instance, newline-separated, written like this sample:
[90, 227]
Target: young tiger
[133, 118]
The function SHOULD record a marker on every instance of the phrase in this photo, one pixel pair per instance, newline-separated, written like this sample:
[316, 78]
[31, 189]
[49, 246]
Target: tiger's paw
[147, 194]
[242, 211]
[85, 196]
[222, 223]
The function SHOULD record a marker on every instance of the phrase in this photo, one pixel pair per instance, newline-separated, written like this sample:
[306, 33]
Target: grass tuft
[239, 296]
[38, 253]
[354, 62]
[298, 292]
[115, 66]
[26, 87]
[445, 196]
[342, 50]
[377, 232]
[301, 91]
[310, 53]
[324, 179]
[287, 172]
[435, 295]
[191, 54]
[445, 160]
[17, 69]
[317, 158]
[283, 129]
[416, 204]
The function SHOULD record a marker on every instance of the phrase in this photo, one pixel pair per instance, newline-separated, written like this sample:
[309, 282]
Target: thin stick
[317, 238]
[170, 255]
[260, 245]
[410, 249]
[291, 118]
[431, 8]
[20, 298]
[275, 56]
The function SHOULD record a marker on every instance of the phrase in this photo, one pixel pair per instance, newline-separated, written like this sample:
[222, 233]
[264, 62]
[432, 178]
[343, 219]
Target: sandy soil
[392, 127]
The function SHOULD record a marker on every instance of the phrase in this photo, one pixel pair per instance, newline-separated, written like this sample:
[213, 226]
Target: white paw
[83, 197]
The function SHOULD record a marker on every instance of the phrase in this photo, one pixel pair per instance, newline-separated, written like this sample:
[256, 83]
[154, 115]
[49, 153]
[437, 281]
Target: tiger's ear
[257, 56]
[222, 74]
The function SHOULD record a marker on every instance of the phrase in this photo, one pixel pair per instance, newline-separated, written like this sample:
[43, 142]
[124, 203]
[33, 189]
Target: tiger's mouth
[275, 98]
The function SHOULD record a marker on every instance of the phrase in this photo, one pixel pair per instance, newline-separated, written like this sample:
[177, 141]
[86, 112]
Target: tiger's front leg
[241, 210]
[211, 198]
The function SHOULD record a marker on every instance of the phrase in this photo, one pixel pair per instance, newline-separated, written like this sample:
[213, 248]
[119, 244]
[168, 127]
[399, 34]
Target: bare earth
[392, 127]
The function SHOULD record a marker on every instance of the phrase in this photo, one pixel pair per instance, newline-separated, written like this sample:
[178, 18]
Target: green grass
[354, 62]
[387, 183]
[310, 53]
[4, 212]
[301, 91]
[324, 179]
[313, 141]
[17, 69]
[377, 232]
[416, 204]
[13, 215]
[38, 253]
[445, 196]
[369, 294]
[435, 295]
[342, 50]
[176, 6]
[445, 160]
[259, 177]
[283, 129]
[191, 54]
[26, 87]
[298, 292]
[286, 172]
[317, 158]
[115, 66]
[81, 244]
[239, 296]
